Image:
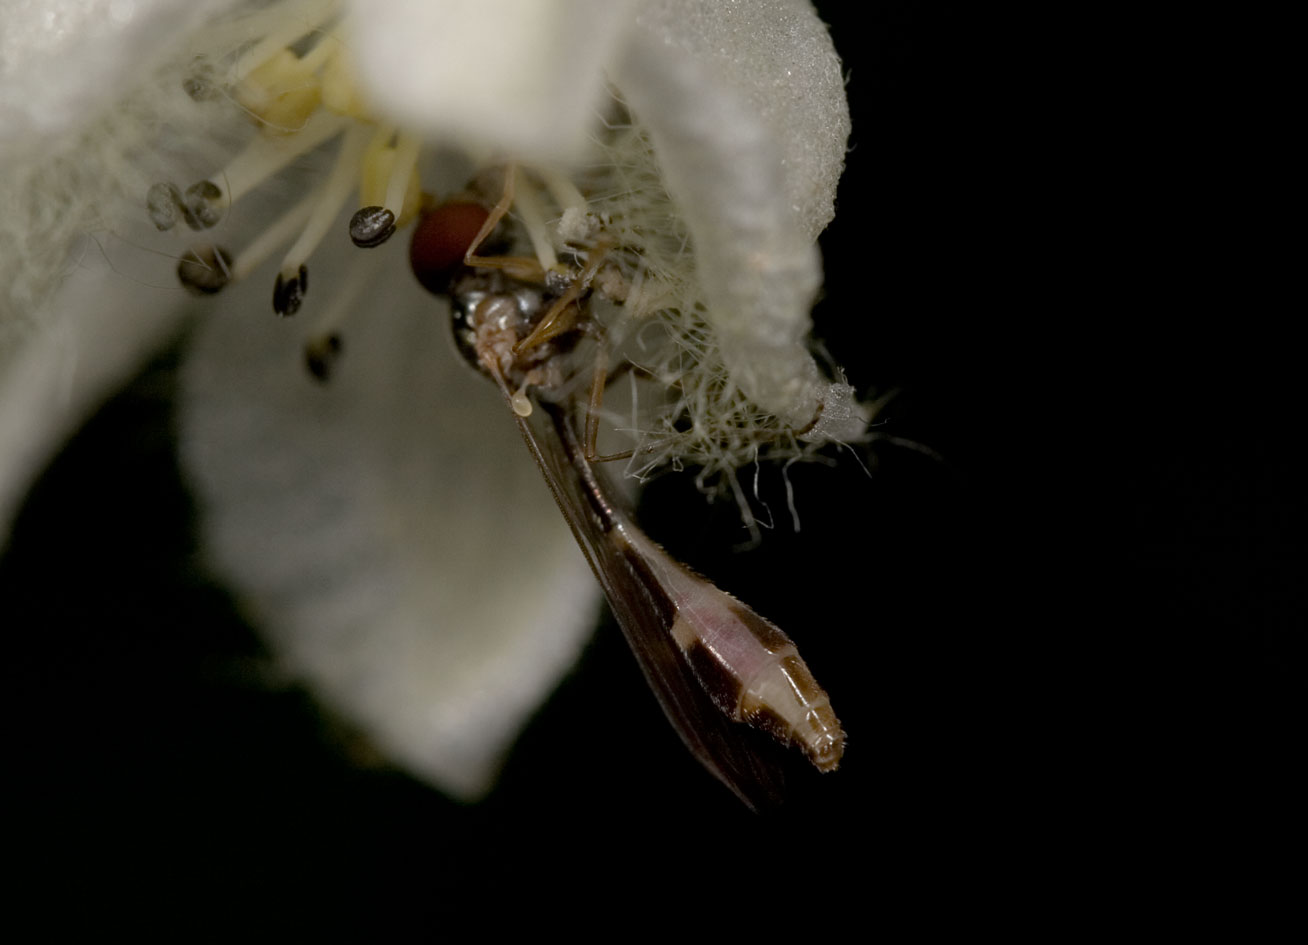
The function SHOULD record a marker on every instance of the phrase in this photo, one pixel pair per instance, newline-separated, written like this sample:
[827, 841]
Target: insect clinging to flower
[667, 245]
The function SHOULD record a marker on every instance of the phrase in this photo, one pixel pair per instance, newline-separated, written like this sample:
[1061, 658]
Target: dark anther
[200, 84]
[205, 271]
[163, 202]
[289, 293]
[371, 226]
[202, 206]
[320, 355]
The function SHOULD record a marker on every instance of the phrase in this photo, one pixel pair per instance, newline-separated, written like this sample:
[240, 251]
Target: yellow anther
[281, 93]
[340, 90]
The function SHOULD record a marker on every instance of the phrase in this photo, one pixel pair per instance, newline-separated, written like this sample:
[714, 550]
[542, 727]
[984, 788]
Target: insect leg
[599, 380]
[555, 320]
[518, 267]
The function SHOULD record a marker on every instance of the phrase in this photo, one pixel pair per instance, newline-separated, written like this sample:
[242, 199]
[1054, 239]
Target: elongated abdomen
[748, 666]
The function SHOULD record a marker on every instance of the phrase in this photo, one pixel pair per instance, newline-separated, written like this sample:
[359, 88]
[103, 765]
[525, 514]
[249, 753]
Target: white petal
[777, 57]
[101, 326]
[388, 531]
[64, 170]
[64, 62]
[516, 76]
[746, 106]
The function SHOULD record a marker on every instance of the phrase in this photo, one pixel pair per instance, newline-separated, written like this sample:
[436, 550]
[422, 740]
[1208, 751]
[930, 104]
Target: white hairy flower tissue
[361, 522]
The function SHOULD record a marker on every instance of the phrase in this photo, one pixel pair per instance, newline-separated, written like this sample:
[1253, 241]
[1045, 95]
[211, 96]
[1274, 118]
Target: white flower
[387, 531]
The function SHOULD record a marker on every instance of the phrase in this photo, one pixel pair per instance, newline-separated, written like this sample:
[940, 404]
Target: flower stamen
[205, 270]
[605, 230]
[277, 33]
[297, 84]
[389, 189]
[327, 204]
[267, 242]
[208, 200]
[533, 221]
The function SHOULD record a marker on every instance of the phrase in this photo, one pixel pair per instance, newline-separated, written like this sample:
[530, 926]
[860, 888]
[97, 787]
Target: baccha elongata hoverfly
[711, 660]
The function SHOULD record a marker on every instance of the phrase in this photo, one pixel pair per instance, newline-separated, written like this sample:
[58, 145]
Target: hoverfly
[712, 661]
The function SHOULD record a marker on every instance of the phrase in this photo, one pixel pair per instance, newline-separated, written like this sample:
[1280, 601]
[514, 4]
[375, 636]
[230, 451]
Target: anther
[200, 84]
[205, 271]
[288, 292]
[202, 207]
[371, 226]
[263, 157]
[328, 200]
[389, 189]
[321, 355]
[340, 91]
[163, 201]
[282, 92]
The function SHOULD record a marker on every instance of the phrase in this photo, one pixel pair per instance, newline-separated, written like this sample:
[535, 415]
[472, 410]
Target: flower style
[371, 525]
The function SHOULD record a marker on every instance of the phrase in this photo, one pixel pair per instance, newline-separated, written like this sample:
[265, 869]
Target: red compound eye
[440, 240]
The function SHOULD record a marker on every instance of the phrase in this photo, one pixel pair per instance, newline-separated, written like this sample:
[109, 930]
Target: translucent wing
[745, 760]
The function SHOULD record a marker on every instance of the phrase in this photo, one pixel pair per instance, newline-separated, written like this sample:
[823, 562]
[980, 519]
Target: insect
[533, 325]
[715, 665]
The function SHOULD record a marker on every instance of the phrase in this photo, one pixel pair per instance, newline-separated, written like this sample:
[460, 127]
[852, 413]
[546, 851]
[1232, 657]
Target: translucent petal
[746, 107]
[388, 530]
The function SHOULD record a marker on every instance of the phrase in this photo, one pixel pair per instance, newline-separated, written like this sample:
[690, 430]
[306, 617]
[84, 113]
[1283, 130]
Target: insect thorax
[490, 315]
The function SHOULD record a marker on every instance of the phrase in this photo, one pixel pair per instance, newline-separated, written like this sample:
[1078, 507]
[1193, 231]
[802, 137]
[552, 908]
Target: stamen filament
[329, 199]
[406, 159]
[533, 220]
[323, 346]
[261, 159]
[563, 190]
[280, 233]
[333, 316]
[381, 139]
[317, 57]
[312, 15]
[389, 191]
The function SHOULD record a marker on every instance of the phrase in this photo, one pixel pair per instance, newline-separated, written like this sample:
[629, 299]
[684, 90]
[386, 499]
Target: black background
[1060, 663]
